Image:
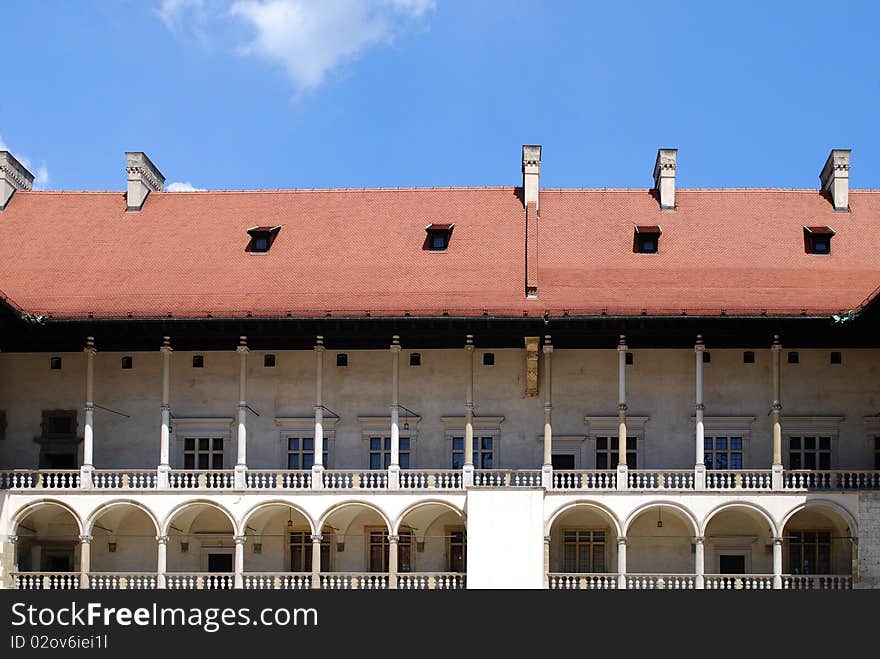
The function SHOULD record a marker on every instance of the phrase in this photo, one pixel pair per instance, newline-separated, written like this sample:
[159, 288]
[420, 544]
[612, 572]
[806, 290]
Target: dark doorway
[220, 563]
[563, 461]
[728, 564]
[57, 561]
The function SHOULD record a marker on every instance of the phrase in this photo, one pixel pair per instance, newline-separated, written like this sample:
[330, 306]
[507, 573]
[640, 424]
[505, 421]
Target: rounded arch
[739, 504]
[583, 503]
[166, 523]
[655, 504]
[421, 504]
[103, 508]
[827, 505]
[32, 506]
[277, 502]
[354, 502]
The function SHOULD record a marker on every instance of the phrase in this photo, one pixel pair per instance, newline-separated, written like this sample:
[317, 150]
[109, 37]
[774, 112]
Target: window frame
[606, 426]
[730, 426]
[380, 426]
[448, 531]
[820, 530]
[183, 428]
[812, 426]
[578, 543]
[304, 426]
[484, 426]
[404, 531]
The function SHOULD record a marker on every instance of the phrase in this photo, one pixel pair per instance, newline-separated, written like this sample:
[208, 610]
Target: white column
[392, 561]
[621, 563]
[316, 561]
[699, 564]
[547, 561]
[699, 409]
[10, 562]
[88, 465]
[547, 468]
[318, 465]
[394, 468]
[162, 560]
[85, 560]
[622, 476]
[165, 432]
[239, 561]
[777, 563]
[468, 470]
[241, 464]
[776, 413]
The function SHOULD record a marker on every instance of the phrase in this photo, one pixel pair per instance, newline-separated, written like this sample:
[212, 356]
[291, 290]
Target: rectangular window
[301, 453]
[380, 452]
[583, 551]
[456, 550]
[723, 452]
[378, 549]
[809, 453]
[809, 552]
[606, 453]
[203, 453]
[484, 452]
[301, 552]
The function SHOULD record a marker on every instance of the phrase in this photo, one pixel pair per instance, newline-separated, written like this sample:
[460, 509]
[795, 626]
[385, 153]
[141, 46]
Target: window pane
[809, 460]
[203, 460]
[707, 443]
[458, 443]
[631, 461]
[218, 461]
[794, 443]
[708, 461]
[488, 461]
[825, 443]
[736, 461]
[457, 460]
[293, 443]
[375, 443]
[189, 444]
[375, 461]
[189, 461]
[387, 443]
[721, 443]
[218, 443]
[825, 461]
[721, 460]
[293, 461]
[601, 461]
[810, 443]
[602, 443]
[308, 460]
[630, 444]
[487, 443]
[203, 443]
[794, 461]
[403, 443]
[736, 443]
[404, 460]
[308, 444]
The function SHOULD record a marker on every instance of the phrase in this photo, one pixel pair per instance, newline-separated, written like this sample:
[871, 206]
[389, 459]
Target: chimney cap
[14, 172]
[838, 163]
[665, 164]
[137, 162]
[531, 154]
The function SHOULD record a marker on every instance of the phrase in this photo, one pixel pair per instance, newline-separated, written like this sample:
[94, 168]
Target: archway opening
[816, 541]
[432, 549]
[123, 540]
[660, 540]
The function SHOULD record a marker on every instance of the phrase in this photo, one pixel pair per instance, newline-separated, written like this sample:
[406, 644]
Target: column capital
[319, 344]
[777, 541]
[393, 539]
[621, 345]
[317, 537]
[700, 407]
[166, 345]
[90, 346]
[469, 343]
[239, 539]
[85, 539]
[698, 540]
[622, 407]
[395, 343]
[699, 346]
[776, 406]
[777, 345]
[242, 348]
[162, 539]
[621, 540]
[12, 538]
[165, 407]
[548, 344]
[547, 539]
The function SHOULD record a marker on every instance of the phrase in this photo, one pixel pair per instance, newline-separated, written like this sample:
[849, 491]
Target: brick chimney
[531, 169]
[13, 176]
[834, 178]
[664, 177]
[143, 178]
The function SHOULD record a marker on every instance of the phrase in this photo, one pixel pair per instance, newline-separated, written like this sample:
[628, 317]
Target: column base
[86, 473]
[622, 477]
[317, 477]
[163, 477]
[621, 582]
[467, 475]
[394, 477]
[777, 582]
[776, 477]
[547, 477]
[240, 480]
[700, 477]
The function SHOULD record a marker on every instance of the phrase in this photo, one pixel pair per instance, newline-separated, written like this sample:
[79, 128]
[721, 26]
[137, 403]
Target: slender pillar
[546, 561]
[468, 470]
[621, 563]
[241, 464]
[316, 561]
[88, 464]
[622, 476]
[239, 561]
[318, 464]
[10, 561]
[776, 413]
[162, 560]
[85, 560]
[547, 468]
[699, 411]
[777, 563]
[165, 432]
[392, 561]
[394, 468]
[699, 564]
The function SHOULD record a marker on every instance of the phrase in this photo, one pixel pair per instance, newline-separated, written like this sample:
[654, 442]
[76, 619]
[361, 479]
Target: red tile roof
[352, 252]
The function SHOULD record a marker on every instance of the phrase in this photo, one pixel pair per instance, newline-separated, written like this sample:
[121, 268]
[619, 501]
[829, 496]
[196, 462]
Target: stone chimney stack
[664, 177]
[531, 169]
[13, 176]
[834, 178]
[143, 178]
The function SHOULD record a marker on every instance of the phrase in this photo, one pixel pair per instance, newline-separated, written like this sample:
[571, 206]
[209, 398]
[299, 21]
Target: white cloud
[307, 38]
[41, 176]
[182, 186]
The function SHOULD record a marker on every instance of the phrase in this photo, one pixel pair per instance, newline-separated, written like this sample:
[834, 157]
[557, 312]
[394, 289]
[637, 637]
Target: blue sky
[232, 94]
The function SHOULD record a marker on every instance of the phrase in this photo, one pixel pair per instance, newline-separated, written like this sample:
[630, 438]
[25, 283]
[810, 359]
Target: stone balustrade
[46, 580]
[431, 581]
[507, 478]
[353, 581]
[277, 580]
[665, 479]
[275, 479]
[830, 480]
[585, 480]
[199, 581]
[128, 479]
[661, 581]
[201, 479]
[431, 479]
[358, 479]
[123, 580]
[576, 581]
[738, 582]
[738, 479]
[817, 582]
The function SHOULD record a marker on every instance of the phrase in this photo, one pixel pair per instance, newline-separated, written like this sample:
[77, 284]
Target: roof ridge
[434, 188]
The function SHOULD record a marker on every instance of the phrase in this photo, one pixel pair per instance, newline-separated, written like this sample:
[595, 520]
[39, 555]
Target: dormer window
[261, 238]
[817, 240]
[438, 237]
[646, 239]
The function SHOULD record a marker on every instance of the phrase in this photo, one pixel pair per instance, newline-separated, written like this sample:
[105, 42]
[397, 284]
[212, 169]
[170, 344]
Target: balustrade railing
[431, 581]
[660, 581]
[127, 479]
[42, 479]
[817, 582]
[277, 580]
[46, 580]
[362, 479]
[201, 479]
[585, 480]
[830, 480]
[738, 582]
[123, 580]
[431, 479]
[199, 581]
[507, 478]
[735, 479]
[574, 581]
[275, 479]
[662, 479]
[353, 581]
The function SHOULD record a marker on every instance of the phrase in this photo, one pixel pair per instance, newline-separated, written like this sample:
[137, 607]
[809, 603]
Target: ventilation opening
[628, 359]
[415, 359]
[342, 359]
[261, 239]
[748, 357]
[707, 357]
[198, 361]
[836, 357]
[55, 363]
[127, 363]
[646, 239]
[488, 359]
[817, 240]
[794, 358]
[438, 237]
[269, 361]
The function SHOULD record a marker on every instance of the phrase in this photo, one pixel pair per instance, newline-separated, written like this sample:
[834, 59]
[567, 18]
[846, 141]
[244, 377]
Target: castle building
[437, 388]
